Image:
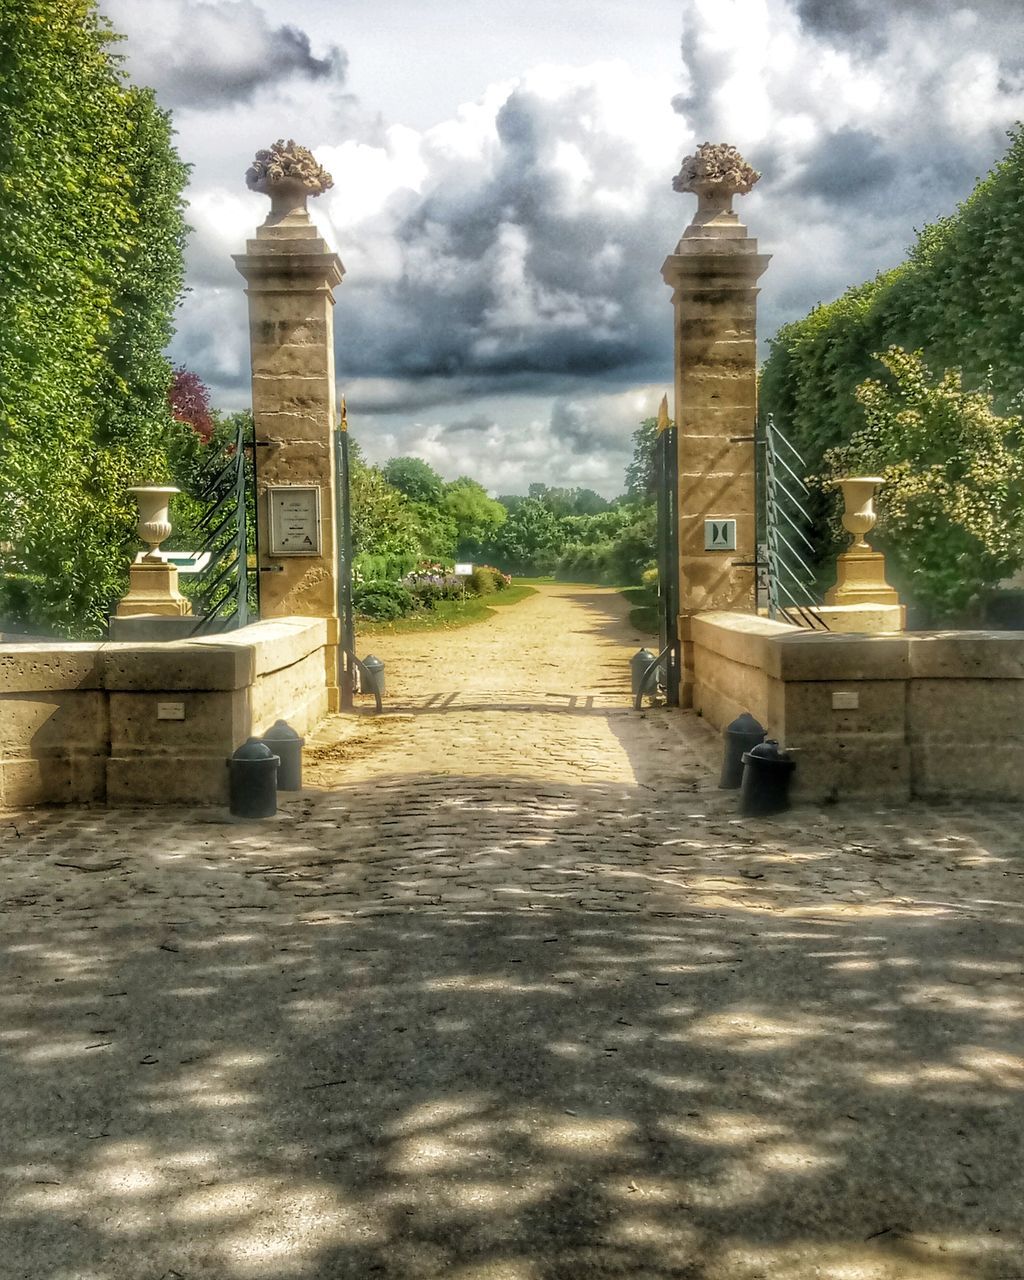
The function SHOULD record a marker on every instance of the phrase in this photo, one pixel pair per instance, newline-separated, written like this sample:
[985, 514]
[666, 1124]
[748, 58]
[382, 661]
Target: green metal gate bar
[791, 585]
[666, 466]
[221, 598]
[343, 536]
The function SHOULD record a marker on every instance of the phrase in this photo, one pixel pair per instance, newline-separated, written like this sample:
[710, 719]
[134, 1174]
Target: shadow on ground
[240, 1078]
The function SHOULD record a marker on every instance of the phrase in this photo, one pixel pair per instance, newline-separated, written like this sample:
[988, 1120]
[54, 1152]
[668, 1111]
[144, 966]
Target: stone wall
[85, 723]
[936, 714]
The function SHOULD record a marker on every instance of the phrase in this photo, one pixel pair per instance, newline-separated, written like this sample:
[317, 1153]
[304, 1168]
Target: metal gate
[666, 476]
[785, 550]
[226, 591]
[353, 674]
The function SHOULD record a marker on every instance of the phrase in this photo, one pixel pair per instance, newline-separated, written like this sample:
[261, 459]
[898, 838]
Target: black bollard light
[767, 773]
[639, 665]
[372, 673]
[742, 735]
[282, 739]
[252, 781]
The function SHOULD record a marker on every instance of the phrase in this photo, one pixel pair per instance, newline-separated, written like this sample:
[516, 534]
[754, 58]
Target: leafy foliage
[640, 471]
[415, 478]
[959, 298]
[91, 240]
[951, 514]
[189, 399]
[530, 540]
[477, 516]
[383, 600]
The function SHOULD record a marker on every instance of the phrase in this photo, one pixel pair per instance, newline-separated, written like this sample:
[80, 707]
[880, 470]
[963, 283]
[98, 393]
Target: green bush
[383, 600]
[951, 511]
[959, 298]
[481, 581]
[91, 241]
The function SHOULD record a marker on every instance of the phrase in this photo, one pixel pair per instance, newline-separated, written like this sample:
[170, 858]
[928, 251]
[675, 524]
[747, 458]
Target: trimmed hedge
[959, 298]
[91, 241]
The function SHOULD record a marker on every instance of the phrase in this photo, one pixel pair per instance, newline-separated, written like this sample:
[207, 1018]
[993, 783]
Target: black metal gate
[785, 550]
[225, 594]
[666, 476]
[353, 675]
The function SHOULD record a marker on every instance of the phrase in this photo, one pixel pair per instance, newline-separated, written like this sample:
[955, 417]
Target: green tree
[415, 478]
[436, 530]
[529, 541]
[588, 503]
[951, 512]
[477, 516]
[959, 298]
[384, 525]
[640, 469]
[91, 240]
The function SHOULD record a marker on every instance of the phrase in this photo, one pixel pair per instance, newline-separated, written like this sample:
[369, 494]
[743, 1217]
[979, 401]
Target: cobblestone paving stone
[510, 993]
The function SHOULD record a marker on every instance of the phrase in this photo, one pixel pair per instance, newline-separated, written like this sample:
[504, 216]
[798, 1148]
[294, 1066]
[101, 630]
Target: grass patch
[447, 615]
[643, 615]
[511, 595]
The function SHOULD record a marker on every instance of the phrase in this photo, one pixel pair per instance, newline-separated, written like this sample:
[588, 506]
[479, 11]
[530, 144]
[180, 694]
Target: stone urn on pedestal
[289, 175]
[714, 174]
[862, 599]
[153, 583]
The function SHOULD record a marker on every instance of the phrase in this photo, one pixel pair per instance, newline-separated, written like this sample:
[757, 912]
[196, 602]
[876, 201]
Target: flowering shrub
[383, 600]
[485, 579]
[428, 583]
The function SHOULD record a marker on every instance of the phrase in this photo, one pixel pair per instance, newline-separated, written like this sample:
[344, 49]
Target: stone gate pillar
[291, 275]
[713, 274]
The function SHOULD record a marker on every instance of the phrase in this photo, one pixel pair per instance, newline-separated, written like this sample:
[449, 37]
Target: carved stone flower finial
[288, 174]
[715, 173]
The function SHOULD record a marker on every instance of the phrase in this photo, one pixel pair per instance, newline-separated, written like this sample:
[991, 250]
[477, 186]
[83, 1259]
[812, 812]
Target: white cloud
[502, 311]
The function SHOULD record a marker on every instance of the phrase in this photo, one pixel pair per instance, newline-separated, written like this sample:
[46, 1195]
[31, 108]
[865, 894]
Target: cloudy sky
[503, 200]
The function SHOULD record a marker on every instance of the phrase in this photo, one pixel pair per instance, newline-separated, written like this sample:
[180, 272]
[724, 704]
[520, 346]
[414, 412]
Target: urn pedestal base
[153, 589]
[863, 619]
[860, 579]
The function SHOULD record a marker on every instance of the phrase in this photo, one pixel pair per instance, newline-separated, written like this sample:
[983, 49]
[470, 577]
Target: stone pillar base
[153, 589]
[860, 579]
[864, 619]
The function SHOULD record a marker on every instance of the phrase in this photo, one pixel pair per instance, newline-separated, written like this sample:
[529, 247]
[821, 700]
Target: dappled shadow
[289, 1050]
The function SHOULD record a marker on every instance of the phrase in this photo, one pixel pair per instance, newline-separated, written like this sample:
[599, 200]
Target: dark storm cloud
[846, 164]
[469, 426]
[864, 23]
[205, 54]
[570, 423]
[515, 269]
[861, 21]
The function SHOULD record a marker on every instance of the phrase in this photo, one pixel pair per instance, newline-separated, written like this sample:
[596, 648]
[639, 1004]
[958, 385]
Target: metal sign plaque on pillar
[713, 273]
[719, 535]
[291, 276]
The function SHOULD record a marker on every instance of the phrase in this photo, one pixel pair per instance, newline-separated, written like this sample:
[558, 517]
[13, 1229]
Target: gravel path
[509, 993]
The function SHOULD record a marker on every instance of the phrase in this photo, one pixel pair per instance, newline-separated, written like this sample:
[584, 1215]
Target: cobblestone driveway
[510, 994]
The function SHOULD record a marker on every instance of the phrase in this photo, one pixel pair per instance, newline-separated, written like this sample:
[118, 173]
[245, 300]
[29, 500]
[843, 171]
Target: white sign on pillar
[294, 520]
[719, 535]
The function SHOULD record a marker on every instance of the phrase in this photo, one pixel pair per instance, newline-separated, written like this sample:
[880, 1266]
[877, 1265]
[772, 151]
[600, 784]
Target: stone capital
[724, 268]
[290, 267]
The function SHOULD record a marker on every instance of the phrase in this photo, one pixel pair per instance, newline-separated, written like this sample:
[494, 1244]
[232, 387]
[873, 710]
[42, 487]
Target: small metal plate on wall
[294, 520]
[719, 535]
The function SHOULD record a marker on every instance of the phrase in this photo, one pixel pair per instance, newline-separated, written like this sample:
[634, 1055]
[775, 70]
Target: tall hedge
[959, 297]
[91, 241]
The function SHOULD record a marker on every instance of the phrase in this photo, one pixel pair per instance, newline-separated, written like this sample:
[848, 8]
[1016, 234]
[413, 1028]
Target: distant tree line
[404, 512]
